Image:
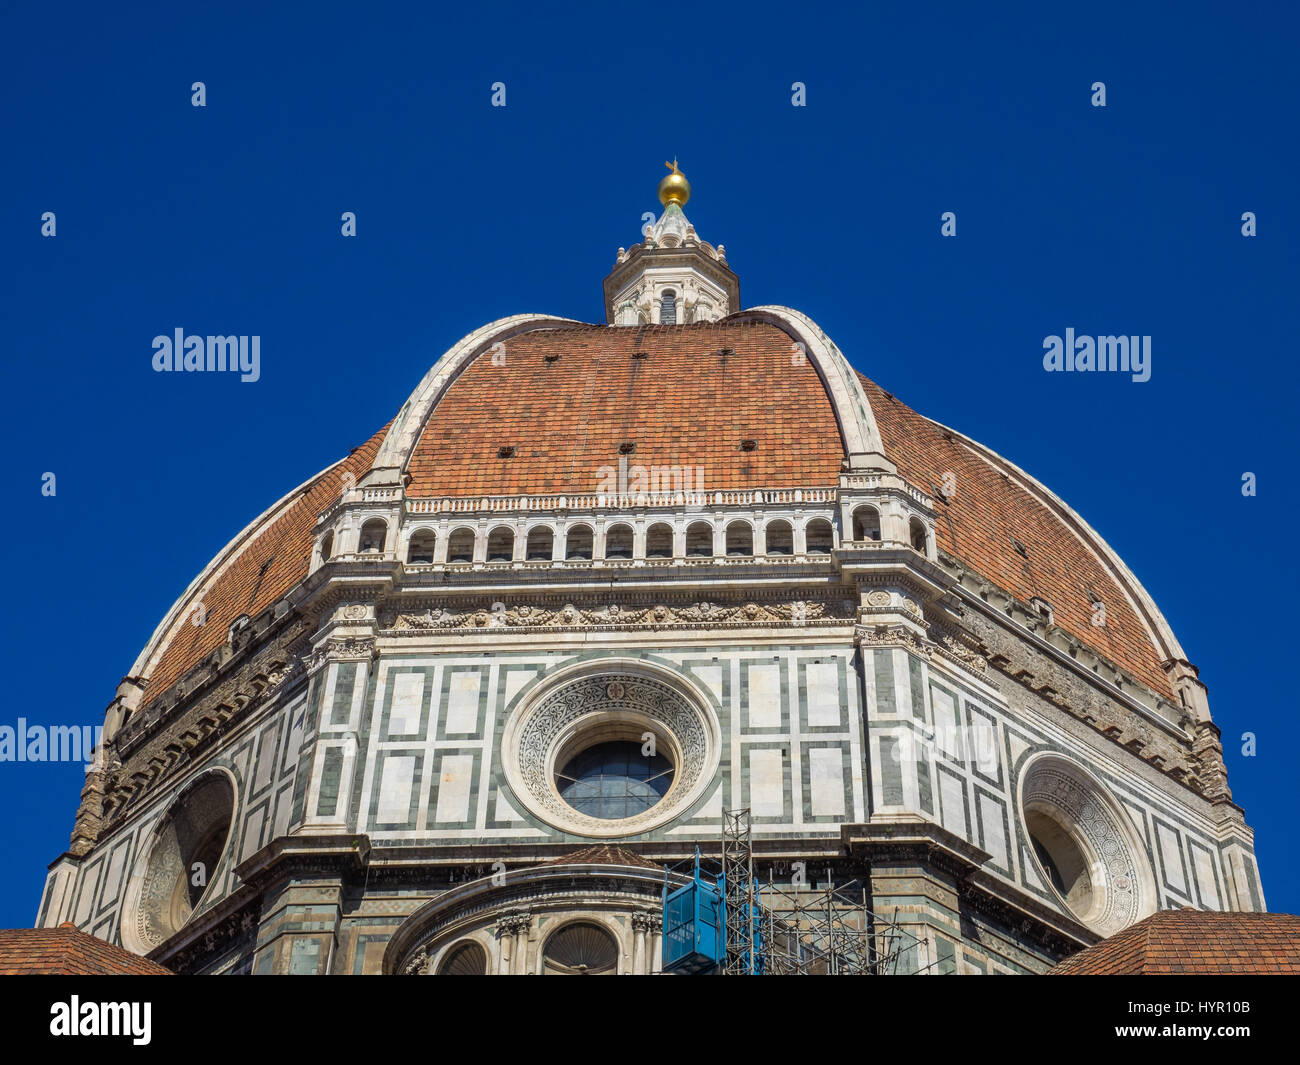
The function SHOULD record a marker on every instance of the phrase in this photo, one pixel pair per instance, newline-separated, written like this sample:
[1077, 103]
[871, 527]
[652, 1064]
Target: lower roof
[603, 854]
[1191, 941]
[66, 951]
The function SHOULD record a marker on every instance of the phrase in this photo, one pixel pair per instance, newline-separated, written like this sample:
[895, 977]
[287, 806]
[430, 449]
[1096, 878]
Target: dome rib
[267, 559]
[996, 505]
[407, 427]
[859, 434]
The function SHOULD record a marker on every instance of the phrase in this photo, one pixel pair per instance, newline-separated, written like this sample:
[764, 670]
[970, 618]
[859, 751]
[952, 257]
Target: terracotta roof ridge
[602, 854]
[1147, 945]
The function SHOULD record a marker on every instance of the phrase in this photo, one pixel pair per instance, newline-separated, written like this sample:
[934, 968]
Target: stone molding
[509, 903]
[650, 612]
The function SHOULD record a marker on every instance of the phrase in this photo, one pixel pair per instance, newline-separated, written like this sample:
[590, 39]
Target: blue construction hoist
[695, 924]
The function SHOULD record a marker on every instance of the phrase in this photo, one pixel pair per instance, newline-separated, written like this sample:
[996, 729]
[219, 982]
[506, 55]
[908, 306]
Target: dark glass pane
[614, 780]
[668, 309]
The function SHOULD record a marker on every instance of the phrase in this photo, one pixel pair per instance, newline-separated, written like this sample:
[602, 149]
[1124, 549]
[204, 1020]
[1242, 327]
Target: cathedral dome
[622, 587]
[553, 408]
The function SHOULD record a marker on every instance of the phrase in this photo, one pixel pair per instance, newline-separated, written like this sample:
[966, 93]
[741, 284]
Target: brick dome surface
[730, 398]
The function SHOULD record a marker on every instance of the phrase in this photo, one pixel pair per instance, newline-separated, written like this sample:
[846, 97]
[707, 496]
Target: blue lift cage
[694, 925]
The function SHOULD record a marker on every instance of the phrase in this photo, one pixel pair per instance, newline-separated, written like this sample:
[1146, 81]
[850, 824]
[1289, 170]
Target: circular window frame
[1122, 888]
[131, 916]
[1085, 854]
[614, 699]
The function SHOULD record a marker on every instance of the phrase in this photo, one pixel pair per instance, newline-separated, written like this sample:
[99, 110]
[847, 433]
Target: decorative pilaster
[656, 943]
[505, 936]
[90, 812]
[1208, 752]
[646, 927]
[512, 932]
[339, 668]
[894, 645]
[640, 925]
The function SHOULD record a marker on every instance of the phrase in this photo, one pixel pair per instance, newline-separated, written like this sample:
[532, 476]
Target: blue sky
[225, 219]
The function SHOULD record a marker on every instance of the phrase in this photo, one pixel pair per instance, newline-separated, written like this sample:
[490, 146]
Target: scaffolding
[771, 930]
[740, 910]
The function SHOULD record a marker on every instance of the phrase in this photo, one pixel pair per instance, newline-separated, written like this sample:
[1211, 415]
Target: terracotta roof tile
[988, 511]
[66, 951]
[682, 404]
[1194, 941]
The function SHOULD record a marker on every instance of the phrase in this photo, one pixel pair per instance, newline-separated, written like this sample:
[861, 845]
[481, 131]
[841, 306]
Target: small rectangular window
[668, 308]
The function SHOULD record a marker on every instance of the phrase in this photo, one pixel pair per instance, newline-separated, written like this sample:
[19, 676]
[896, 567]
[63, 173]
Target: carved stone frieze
[892, 636]
[947, 647]
[343, 649]
[955, 650]
[879, 604]
[617, 615]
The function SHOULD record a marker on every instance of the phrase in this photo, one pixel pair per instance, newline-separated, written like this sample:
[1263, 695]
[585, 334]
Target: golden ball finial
[674, 188]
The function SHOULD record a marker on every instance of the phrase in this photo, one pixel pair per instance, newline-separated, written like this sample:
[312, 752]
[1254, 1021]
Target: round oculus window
[611, 753]
[1085, 852]
[180, 864]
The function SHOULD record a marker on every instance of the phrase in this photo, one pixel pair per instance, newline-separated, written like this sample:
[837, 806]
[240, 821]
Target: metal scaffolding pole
[738, 893]
[828, 930]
